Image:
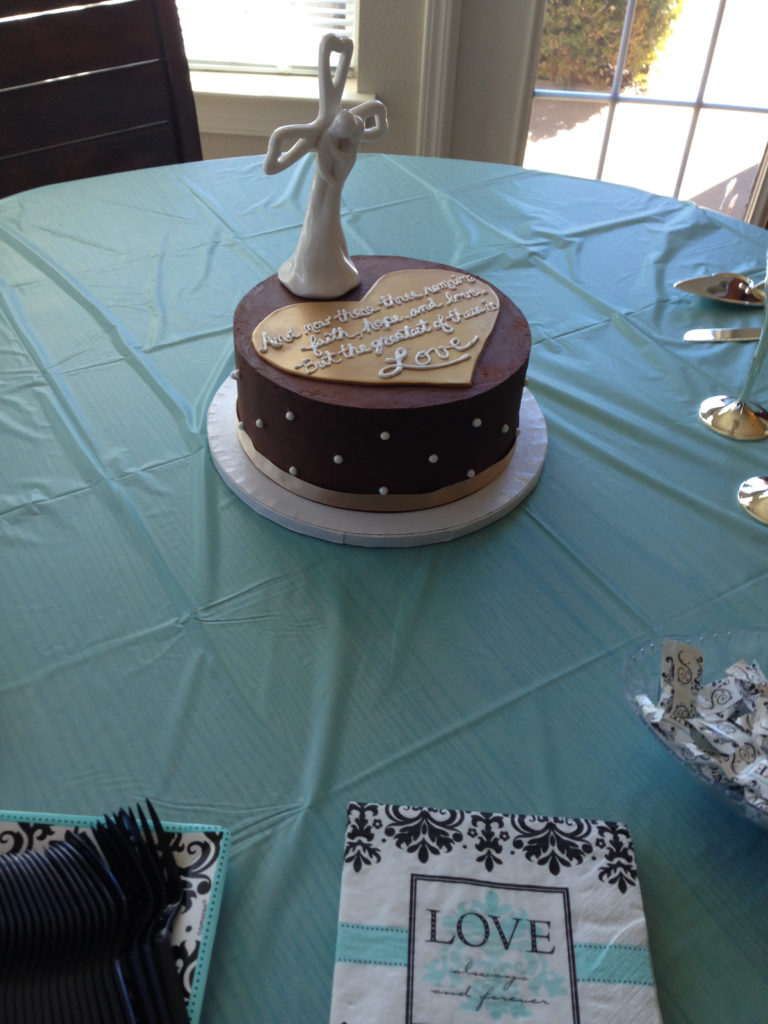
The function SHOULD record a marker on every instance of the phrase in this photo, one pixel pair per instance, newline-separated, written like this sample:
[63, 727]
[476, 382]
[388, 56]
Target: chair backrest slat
[13, 8]
[121, 152]
[71, 109]
[77, 41]
[109, 71]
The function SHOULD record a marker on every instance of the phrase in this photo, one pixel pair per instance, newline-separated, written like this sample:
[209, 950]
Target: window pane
[738, 74]
[677, 67]
[644, 151]
[726, 151]
[580, 42]
[646, 146]
[565, 136]
[269, 35]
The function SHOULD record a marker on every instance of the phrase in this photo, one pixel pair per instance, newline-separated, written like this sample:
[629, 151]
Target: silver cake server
[738, 289]
[725, 334]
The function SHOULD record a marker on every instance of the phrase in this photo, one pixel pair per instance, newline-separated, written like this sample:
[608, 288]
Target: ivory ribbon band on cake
[371, 502]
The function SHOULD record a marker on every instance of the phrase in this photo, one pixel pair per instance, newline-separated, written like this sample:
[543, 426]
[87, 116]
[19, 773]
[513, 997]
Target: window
[261, 36]
[693, 124]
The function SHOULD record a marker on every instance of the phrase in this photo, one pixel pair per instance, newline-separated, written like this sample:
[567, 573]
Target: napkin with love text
[461, 917]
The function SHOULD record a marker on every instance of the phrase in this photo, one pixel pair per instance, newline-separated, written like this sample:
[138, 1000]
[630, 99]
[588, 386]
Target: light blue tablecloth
[160, 638]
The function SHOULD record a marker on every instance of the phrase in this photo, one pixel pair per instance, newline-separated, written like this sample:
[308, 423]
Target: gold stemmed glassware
[737, 417]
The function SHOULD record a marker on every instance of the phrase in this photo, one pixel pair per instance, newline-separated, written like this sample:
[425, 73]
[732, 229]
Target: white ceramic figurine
[320, 268]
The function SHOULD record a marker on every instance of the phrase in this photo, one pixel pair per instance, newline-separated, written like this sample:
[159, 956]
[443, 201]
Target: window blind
[269, 36]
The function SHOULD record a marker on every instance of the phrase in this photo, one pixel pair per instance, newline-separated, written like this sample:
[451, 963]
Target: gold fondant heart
[412, 327]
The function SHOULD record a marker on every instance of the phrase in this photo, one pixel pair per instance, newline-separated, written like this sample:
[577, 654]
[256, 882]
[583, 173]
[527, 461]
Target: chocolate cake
[338, 425]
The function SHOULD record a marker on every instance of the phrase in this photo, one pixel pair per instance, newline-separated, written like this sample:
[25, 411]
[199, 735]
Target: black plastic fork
[159, 843]
[123, 864]
[115, 938]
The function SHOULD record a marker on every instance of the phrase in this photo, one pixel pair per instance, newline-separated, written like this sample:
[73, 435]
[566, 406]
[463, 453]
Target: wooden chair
[91, 90]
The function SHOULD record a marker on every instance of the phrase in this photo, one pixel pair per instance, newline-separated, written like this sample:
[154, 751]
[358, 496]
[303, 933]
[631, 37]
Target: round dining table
[161, 638]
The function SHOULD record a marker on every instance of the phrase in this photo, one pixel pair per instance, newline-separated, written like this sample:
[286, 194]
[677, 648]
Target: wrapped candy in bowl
[705, 697]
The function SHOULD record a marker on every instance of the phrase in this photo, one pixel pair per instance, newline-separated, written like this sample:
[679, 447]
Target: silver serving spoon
[738, 289]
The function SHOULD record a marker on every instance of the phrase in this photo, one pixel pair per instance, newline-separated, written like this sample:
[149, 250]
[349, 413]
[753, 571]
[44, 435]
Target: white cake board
[376, 529]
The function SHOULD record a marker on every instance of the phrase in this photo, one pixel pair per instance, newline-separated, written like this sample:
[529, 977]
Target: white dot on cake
[289, 415]
[293, 471]
[433, 458]
[477, 422]
[260, 423]
[338, 459]
[470, 473]
[240, 425]
[235, 375]
[383, 490]
[384, 435]
[517, 432]
[505, 428]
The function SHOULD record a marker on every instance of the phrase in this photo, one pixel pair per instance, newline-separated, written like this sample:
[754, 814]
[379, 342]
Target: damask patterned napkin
[459, 917]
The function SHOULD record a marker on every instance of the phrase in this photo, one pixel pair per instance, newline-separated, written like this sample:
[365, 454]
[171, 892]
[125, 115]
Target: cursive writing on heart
[412, 327]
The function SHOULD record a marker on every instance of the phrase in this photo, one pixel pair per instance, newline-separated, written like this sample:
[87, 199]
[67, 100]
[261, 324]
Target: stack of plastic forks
[85, 928]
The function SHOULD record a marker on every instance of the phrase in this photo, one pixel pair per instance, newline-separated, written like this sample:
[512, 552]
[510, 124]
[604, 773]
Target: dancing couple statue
[320, 268]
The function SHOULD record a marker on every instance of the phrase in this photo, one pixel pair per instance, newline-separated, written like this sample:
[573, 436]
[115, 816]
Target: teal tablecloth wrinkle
[159, 638]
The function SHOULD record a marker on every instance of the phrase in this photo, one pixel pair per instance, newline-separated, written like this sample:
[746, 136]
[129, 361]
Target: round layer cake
[384, 446]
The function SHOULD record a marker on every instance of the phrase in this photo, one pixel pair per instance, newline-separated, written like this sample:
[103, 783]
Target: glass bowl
[641, 674]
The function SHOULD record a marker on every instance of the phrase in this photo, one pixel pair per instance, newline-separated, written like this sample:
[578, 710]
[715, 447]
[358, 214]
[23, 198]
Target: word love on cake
[410, 323]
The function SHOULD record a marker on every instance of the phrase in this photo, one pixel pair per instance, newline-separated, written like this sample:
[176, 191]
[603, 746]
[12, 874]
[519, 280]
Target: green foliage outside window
[581, 40]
